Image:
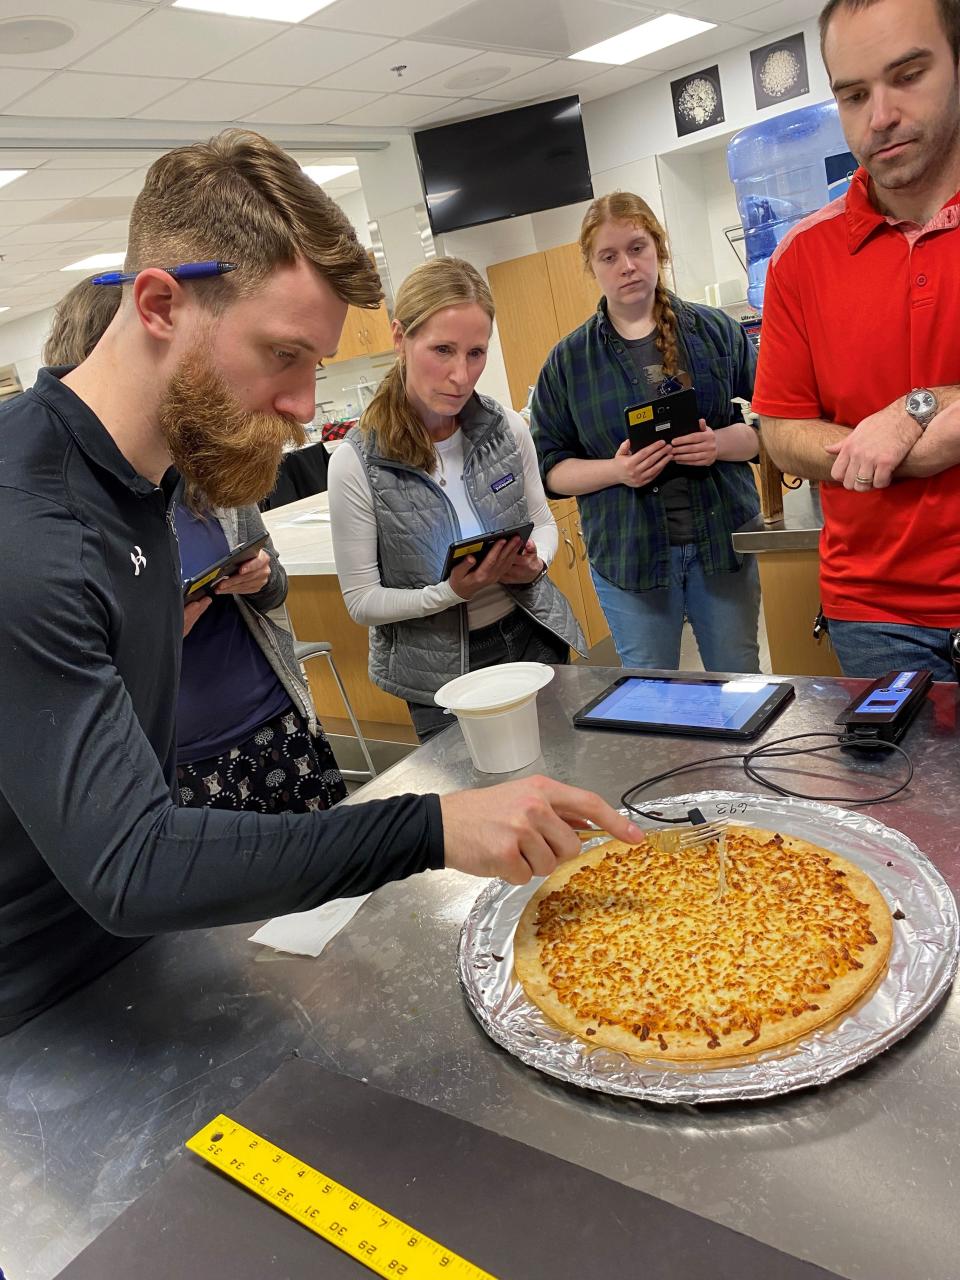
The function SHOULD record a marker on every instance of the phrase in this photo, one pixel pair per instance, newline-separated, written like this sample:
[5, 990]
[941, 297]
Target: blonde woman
[430, 462]
[659, 544]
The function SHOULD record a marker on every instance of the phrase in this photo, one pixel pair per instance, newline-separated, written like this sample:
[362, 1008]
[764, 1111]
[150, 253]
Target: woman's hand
[699, 449]
[252, 576]
[469, 577]
[526, 567]
[192, 611]
[638, 469]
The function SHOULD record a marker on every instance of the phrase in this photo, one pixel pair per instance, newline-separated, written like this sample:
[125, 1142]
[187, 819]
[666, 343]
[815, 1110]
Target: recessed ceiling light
[34, 35]
[327, 172]
[275, 10]
[659, 33]
[97, 261]
[10, 175]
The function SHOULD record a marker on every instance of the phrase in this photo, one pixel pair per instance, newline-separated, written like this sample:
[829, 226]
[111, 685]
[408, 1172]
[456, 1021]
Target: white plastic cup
[497, 711]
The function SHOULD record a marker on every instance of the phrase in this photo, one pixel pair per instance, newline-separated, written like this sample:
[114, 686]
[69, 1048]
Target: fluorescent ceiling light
[10, 175]
[321, 173]
[659, 33]
[4, 308]
[275, 10]
[98, 261]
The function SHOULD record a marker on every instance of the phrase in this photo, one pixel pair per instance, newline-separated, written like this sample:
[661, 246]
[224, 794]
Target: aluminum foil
[923, 962]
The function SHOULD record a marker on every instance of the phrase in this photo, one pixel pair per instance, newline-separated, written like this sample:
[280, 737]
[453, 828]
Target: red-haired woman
[658, 540]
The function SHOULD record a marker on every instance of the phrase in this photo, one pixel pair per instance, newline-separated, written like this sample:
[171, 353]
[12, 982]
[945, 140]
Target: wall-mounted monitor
[504, 165]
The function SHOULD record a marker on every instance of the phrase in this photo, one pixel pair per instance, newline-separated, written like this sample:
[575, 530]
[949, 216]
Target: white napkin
[306, 933]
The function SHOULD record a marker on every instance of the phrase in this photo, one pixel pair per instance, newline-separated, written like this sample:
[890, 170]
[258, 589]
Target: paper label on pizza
[639, 950]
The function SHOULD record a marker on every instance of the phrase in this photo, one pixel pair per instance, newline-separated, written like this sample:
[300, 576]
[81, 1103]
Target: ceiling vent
[34, 35]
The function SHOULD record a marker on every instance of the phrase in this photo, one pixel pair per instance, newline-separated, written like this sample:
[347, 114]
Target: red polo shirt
[858, 310]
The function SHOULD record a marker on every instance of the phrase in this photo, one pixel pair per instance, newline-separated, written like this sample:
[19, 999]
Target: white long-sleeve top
[354, 528]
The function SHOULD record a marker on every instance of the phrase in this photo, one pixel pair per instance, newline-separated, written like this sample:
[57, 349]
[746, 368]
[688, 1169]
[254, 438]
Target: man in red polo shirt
[860, 352]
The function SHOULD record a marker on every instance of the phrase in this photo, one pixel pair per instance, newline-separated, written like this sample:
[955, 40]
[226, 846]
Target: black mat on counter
[515, 1211]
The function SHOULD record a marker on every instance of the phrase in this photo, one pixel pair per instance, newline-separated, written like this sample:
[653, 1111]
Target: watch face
[922, 401]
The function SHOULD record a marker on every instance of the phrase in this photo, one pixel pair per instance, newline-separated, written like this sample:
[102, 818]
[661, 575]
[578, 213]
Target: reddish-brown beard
[223, 453]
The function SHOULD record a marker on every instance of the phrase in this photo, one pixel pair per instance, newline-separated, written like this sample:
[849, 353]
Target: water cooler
[782, 170]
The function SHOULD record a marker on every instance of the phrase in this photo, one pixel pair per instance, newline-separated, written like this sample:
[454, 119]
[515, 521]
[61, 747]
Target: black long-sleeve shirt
[94, 853]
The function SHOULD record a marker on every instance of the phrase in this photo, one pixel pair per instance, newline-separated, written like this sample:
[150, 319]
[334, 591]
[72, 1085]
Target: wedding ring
[865, 480]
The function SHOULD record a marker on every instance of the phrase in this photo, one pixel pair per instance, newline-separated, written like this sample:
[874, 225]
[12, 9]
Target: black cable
[773, 750]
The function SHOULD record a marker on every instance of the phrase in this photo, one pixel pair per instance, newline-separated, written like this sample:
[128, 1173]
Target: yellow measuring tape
[383, 1243]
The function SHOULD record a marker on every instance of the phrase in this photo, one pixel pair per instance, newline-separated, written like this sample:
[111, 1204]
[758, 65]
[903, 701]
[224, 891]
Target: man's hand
[637, 469]
[522, 829]
[874, 449]
[192, 611]
[699, 449]
[526, 566]
[469, 577]
[252, 576]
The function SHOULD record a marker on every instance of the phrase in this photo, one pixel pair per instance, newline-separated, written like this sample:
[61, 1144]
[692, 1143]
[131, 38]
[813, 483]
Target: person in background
[213, 376]
[859, 360]
[247, 733]
[432, 462]
[660, 548]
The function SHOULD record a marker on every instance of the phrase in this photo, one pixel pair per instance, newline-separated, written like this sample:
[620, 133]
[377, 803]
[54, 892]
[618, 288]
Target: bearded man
[859, 358]
[211, 376]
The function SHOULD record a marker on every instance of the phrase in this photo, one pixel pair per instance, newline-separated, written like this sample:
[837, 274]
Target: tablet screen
[718, 705]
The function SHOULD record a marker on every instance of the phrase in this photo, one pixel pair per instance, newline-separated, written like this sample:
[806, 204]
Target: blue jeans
[874, 648]
[723, 609]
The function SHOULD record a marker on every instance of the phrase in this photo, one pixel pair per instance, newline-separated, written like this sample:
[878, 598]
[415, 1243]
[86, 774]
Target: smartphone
[204, 582]
[479, 546]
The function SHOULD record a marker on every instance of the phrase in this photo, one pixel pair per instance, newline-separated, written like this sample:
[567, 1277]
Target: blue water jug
[782, 170]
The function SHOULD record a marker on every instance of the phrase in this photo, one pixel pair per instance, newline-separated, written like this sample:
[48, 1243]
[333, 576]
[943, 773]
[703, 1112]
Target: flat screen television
[504, 165]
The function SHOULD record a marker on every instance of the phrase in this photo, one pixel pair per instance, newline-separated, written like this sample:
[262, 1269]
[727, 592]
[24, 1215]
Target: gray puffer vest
[416, 522]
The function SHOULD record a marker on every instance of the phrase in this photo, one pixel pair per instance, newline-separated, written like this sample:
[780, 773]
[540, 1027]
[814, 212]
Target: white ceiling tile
[463, 109]
[784, 14]
[14, 158]
[51, 183]
[474, 77]
[121, 158]
[722, 10]
[552, 27]
[394, 109]
[79, 93]
[697, 49]
[213, 103]
[92, 22]
[16, 81]
[300, 57]
[129, 185]
[556, 77]
[312, 106]
[613, 80]
[191, 44]
[376, 74]
[18, 213]
[116, 230]
[391, 17]
[52, 232]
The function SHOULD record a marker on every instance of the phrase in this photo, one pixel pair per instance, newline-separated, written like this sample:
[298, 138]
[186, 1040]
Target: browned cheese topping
[641, 941]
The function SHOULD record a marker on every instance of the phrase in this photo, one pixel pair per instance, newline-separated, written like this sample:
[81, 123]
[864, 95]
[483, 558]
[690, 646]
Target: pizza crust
[627, 948]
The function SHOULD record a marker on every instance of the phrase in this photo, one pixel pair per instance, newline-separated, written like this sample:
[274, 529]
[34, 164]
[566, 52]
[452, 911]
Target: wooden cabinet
[540, 298]
[570, 572]
[365, 333]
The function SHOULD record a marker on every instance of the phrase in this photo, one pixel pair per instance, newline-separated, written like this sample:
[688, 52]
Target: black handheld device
[479, 546]
[665, 418]
[203, 583]
[885, 709]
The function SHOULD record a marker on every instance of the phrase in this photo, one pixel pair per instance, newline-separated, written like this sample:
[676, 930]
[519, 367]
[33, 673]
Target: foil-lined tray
[923, 963]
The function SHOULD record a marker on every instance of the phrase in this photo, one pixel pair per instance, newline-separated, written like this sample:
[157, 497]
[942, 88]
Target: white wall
[21, 341]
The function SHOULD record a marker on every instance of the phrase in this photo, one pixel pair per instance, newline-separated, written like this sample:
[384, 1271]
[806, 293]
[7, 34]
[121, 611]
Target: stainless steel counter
[798, 530]
[99, 1093]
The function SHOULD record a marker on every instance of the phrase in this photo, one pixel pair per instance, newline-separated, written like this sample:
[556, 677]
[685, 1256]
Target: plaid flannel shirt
[578, 408]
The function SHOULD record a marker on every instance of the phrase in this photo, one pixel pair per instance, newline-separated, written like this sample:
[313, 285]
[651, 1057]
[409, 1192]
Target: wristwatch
[922, 406]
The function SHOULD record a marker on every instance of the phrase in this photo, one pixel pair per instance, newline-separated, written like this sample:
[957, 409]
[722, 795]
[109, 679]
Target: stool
[307, 649]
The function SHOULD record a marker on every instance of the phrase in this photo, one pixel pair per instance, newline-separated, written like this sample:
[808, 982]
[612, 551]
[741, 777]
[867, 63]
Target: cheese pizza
[706, 953]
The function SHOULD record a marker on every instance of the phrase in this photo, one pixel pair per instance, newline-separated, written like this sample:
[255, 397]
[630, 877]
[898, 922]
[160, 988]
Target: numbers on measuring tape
[384, 1244]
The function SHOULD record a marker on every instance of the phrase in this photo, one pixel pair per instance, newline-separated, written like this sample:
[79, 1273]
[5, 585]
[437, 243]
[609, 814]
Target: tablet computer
[203, 583]
[700, 706]
[665, 418]
[480, 545]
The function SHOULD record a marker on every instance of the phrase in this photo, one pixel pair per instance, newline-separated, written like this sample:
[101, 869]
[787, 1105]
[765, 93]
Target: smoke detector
[34, 35]
[470, 81]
